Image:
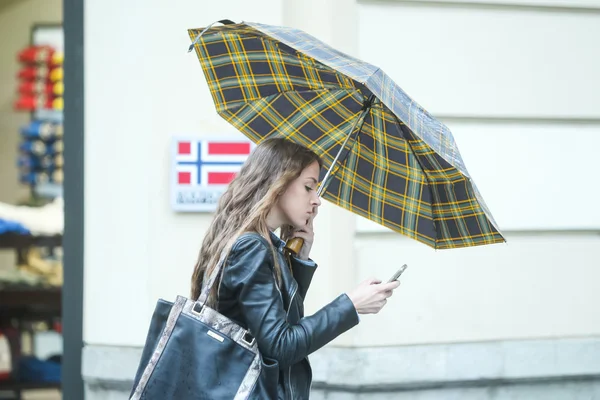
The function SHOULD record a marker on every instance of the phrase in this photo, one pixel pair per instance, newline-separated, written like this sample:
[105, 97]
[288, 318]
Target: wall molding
[530, 120]
[401, 368]
[372, 230]
[560, 7]
[457, 365]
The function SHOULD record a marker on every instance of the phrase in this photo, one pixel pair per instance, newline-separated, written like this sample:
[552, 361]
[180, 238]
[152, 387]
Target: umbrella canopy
[385, 157]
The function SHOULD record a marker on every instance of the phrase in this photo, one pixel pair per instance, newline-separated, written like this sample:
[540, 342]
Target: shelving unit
[21, 305]
[39, 92]
[19, 241]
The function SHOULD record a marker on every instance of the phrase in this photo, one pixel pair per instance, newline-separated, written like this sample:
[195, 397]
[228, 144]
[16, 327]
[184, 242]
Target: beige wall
[16, 19]
[136, 248]
[538, 285]
[523, 104]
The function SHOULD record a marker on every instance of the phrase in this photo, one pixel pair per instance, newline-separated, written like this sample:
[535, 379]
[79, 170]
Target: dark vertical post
[72, 300]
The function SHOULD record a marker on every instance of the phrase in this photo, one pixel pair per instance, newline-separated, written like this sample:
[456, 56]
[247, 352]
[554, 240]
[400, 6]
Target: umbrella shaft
[360, 119]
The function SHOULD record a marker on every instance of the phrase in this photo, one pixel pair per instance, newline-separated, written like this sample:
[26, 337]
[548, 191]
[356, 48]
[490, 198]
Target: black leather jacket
[249, 295]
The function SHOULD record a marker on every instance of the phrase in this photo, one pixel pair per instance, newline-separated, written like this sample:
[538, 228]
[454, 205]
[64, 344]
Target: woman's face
[300, 201]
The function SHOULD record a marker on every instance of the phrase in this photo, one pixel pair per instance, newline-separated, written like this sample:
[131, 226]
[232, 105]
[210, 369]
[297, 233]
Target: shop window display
[30, 293]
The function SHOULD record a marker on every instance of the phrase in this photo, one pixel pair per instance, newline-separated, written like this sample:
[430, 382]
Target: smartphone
[398, 273]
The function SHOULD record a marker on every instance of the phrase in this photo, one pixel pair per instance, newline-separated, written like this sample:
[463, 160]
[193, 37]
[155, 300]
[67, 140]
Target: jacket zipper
[307, 360]
[287, 313]
[311, 378]
[290, 367]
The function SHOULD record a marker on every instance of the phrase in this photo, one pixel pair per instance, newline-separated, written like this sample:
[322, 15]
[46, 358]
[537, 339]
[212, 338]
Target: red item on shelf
[41, 72]
[30, 103]
[5, 358]
[41, 87]
[41, 55]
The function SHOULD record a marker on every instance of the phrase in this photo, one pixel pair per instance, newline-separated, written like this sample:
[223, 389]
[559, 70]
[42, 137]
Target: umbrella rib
[426, 179]
[361, 120]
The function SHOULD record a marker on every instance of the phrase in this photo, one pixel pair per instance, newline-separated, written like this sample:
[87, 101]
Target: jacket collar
[277, 242]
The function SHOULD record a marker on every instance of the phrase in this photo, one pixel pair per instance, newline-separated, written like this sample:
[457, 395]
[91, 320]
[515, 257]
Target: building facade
[517, 83]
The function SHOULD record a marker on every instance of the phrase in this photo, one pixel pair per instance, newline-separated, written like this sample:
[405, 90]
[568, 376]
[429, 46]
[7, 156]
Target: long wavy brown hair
[244, 206]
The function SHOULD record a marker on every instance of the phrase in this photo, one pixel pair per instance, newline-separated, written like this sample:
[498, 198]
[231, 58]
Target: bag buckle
[246, 338]
[195, 310]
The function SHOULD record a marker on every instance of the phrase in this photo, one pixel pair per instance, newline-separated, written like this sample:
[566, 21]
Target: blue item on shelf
[42, 130]
[40, 148]
[32, 369]
[39, 178]
[7, 226]
[33, 163]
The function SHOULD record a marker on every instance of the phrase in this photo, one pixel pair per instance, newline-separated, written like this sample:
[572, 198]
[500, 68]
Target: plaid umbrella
[385, 157]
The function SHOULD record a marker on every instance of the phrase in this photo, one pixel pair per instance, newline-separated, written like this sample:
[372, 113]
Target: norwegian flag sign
[202, 169]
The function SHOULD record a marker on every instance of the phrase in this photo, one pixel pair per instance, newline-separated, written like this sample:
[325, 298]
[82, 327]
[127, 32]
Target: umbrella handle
[294, 245]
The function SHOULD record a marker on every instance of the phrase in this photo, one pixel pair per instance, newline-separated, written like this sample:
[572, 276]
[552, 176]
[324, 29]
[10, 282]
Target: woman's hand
[307, 233]
[371, 295]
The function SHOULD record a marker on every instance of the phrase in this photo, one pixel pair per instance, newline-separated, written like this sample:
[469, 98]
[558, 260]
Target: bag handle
[207, 284]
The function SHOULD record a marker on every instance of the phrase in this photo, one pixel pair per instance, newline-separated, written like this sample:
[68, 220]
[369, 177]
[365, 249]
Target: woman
[262, 290]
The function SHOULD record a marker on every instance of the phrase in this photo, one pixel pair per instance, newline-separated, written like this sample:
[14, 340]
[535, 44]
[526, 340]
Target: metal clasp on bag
[193, 309]
[245, 338]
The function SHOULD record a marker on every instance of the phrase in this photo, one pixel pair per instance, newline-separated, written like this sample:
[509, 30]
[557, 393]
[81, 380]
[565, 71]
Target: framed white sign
[201, 169]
